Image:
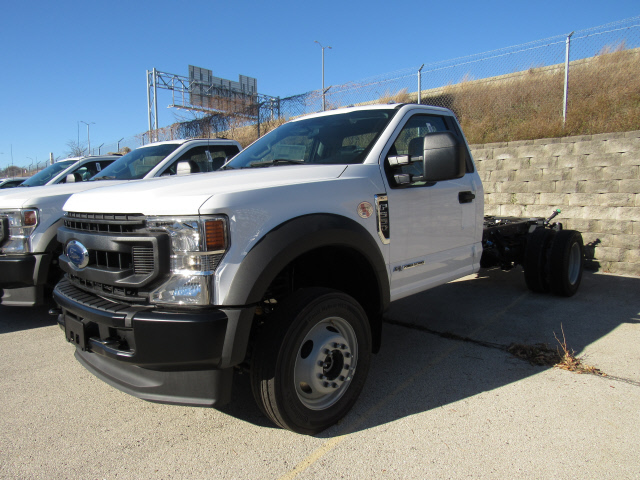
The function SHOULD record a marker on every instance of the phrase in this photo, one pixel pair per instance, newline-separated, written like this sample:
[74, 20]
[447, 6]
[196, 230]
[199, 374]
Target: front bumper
[182, 357]
[22, 279]
[17, 271]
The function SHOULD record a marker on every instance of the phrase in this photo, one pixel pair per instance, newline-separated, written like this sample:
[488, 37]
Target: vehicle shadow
[14, 319]
[417, 371]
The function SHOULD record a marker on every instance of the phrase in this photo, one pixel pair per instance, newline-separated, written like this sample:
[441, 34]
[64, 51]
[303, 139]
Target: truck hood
[185, 195]
[36, 197]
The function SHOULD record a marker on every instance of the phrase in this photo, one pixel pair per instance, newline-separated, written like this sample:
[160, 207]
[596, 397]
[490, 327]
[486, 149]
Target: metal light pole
[566, 80]
[119, 144]
[420, 83]
[88, 138]
[323, 90]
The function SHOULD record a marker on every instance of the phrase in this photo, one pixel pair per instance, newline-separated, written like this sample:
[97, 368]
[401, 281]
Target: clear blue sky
[66, 61]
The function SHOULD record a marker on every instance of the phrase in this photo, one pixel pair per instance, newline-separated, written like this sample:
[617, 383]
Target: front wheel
[311, 359]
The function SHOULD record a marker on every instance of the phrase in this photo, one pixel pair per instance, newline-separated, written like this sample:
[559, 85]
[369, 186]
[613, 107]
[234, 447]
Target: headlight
[197, 246]
[20, 225]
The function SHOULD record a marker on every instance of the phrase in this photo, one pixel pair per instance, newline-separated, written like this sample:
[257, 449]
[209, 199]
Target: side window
[205, 158]
[88, 170]
[410, 141]
[217, 154]
[197, 158]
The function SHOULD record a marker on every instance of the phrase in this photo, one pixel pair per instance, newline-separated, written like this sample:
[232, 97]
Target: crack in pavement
[497, 346]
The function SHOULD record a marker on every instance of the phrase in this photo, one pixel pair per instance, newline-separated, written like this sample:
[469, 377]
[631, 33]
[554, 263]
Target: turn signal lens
[215, 235]
[30, 218]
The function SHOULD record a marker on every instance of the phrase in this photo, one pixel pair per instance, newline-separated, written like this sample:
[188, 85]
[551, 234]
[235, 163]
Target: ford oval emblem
[77, 253]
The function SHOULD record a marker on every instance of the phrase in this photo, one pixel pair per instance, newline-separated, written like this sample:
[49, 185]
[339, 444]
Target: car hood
[33, 197]
[185, 195]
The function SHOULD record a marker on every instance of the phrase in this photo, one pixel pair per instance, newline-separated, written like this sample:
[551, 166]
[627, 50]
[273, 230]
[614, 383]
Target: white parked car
[29, 217]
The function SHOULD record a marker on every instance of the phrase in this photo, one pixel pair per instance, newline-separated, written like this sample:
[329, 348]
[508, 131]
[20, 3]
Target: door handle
[466, 197]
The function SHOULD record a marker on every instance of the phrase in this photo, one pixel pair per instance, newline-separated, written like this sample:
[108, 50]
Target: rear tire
[311, 360]
[566, 262]
[536, 271]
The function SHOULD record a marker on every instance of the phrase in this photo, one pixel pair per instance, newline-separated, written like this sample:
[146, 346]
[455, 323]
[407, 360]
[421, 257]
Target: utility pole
[88, 138]
[420, 84]
[566, 80]
[324, 105]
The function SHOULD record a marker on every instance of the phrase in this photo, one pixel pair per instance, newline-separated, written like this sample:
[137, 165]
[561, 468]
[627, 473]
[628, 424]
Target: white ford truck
[282, 263]
[30, 217]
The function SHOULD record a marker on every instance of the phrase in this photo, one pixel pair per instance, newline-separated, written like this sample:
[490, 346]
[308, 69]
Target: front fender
[298, 236]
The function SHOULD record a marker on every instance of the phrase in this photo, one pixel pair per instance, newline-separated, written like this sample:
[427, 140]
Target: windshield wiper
[102, 178]
[278, 161]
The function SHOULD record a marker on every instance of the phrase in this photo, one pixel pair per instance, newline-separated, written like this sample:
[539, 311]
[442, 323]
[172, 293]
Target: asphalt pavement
[444, 399]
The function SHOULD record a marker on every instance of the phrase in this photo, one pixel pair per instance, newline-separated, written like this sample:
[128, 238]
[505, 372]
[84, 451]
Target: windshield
[43, 176]
[333, 139]
[136, 164]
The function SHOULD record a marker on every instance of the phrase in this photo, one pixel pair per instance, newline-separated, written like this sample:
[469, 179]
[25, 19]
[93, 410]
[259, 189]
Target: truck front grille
[104, 222]
[126, 260]
[143, 261]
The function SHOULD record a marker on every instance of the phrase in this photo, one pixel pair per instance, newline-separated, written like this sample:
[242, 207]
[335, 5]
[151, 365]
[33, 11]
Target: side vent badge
[382, 209]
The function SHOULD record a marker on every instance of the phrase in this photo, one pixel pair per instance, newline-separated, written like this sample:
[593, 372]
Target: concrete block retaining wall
[593, 179]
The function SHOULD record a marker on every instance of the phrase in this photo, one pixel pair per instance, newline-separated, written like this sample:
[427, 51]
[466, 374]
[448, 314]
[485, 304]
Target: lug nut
[320, 376]
[325, 384]
[334, 385]
[346, 367]
[341, 378]
[326, 351]
[320, 363]
[347, 355]
[343, 346]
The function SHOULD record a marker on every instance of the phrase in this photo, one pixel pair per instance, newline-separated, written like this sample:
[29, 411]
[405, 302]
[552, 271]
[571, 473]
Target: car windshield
[338, 139]
[136, 164]
[44, 176]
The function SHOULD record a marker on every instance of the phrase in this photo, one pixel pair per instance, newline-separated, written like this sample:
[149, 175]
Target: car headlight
[19, 225]
[197, 247]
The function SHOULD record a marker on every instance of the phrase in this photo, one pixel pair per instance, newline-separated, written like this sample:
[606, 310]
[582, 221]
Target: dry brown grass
[604, 96]
[402, 96]
[569, 361]
[246, 134]
[561, 357]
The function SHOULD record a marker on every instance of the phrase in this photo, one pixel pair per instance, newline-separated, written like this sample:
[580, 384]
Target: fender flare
[49, 238]
[275, 250]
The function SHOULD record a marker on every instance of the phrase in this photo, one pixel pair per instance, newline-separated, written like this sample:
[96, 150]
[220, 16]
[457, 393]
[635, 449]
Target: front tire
[311, 360]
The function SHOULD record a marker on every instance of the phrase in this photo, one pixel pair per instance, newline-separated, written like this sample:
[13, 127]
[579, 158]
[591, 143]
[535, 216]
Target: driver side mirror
[443, 158]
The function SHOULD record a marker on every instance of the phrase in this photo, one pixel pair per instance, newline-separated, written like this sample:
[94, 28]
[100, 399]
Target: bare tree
[75, 149]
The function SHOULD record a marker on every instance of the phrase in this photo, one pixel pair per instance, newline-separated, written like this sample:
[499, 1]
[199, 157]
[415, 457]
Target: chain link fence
[581, 83]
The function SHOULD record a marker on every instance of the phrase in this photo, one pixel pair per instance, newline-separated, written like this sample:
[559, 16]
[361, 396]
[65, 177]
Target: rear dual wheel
[536, 268]
[554, 261]
[566, 262]
[311, 360]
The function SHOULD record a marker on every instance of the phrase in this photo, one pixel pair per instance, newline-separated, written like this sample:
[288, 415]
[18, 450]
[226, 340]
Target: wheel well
[337, 267]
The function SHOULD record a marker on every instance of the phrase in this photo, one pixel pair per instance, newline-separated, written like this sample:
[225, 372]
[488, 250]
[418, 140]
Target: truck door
[433, 234]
